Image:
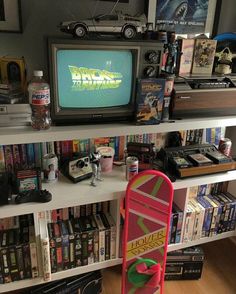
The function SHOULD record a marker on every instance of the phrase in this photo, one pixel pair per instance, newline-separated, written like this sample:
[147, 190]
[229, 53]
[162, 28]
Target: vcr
[203, 97]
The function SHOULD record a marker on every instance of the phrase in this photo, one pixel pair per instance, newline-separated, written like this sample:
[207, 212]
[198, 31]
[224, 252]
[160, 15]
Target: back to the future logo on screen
[94, 79]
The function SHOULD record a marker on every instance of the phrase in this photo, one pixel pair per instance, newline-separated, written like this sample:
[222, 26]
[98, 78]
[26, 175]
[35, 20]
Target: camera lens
[80, 164]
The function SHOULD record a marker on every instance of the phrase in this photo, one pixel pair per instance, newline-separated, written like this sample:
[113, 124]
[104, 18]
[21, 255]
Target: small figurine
[95, 158]
[224, 62]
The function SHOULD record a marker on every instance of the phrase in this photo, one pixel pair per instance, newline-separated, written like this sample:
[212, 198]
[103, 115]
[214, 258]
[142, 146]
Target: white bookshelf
[67, 194]
[20, 135]
[99, 265]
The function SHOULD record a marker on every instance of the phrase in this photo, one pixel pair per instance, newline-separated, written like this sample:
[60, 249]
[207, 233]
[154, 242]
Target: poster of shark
[185, 16]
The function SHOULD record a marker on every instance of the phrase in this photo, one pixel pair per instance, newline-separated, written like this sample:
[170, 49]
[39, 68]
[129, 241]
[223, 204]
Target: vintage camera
[77, 169]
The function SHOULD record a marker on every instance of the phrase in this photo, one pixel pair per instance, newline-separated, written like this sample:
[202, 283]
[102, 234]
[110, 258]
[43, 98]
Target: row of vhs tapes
[209, 215]
[18, 254]
[81, 241]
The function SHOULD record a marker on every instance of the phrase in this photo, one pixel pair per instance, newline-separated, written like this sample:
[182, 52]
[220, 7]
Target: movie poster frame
[210, 27]
[13, 21]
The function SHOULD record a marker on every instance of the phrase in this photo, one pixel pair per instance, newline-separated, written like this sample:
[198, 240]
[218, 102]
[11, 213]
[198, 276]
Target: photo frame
[10, 16]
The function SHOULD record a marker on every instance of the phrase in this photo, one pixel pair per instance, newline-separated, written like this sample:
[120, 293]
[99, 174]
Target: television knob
[152, 56]
[149, 72]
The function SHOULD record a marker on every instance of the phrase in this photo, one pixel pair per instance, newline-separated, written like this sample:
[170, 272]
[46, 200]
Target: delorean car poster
[186, 16]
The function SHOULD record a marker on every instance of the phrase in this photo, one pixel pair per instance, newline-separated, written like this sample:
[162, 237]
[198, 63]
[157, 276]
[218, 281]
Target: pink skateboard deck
[148, 206]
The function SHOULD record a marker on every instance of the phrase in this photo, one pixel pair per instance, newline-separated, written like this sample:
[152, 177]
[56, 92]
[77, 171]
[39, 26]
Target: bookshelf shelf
[67, 194]
[99, 265]
[174, 247]
[56, 276]
[13, 135]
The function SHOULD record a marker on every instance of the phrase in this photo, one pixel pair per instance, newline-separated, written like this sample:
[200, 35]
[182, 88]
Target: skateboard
[148, 206]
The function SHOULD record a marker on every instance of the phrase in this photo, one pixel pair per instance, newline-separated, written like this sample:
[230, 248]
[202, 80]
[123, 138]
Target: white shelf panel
[66, 194]
[173, 247]
[208, 179]
[60, 275]
[13, 135]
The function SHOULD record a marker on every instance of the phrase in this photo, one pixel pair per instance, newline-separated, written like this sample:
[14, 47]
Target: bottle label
[40, 97]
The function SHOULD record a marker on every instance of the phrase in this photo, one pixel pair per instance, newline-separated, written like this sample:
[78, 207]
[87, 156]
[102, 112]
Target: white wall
[40, 19]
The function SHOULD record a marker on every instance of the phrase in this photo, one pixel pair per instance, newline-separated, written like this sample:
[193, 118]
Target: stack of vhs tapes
[18, 252]
[81, 241]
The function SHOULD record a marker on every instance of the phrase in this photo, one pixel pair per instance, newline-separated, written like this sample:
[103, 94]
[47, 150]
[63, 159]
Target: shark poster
[186, 16]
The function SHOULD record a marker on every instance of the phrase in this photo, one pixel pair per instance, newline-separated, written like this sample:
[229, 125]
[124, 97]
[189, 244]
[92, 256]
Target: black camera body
[77, 169]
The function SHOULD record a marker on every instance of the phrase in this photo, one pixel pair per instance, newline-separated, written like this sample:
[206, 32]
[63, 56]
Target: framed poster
[120, 1]
[183, 16]
[10, 16]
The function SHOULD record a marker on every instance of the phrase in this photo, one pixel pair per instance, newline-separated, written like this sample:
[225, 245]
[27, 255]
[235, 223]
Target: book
[30, 155]
[107, 236]
[8, 158]
[16, 157]
[112, 225]
[14, 272]
[2, 159]
[189, 223]
[214, 227]
[33, 252]
[45, 249]
[207, 216]
[71, 236]
[233, 216]
[203, 57]
[78, 243]
[95, 239]
[65, 245]
[23, 156]
[53, 254]
[4, 260]
[199, 218]
[86, 240]
[186, 48]
[179, 223]
[150, 97]
[58, 242]
[20, 261]
[173, 227]
[101, 230]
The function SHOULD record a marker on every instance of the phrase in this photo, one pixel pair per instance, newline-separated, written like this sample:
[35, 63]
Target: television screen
[94, 78]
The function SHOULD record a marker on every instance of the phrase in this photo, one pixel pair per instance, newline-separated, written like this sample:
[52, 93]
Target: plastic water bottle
[39, 98]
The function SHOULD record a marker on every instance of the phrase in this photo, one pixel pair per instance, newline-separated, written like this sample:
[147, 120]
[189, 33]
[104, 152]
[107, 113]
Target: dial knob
[152, 56]
[149, 72]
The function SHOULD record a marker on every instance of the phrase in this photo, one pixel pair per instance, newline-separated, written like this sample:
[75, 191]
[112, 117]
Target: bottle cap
[38, 73]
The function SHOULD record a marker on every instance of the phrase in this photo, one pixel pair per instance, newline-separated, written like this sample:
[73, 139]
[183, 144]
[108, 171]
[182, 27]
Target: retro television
[94, 81]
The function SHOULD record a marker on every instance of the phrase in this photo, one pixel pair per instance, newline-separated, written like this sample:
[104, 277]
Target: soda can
[50, 167]
[225, 146]
[131, 167]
